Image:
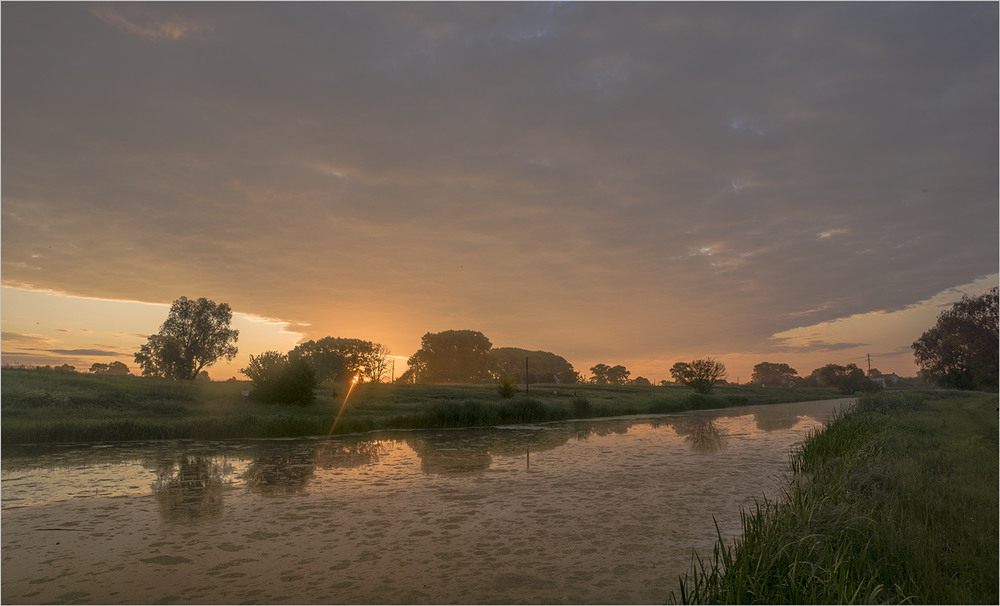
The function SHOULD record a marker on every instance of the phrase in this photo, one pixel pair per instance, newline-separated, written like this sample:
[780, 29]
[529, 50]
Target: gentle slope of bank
[41, 407]
[895, 501]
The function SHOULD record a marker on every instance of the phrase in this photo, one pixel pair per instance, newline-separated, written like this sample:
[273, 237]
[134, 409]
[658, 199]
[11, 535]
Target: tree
[770, 374]
[376, 363]
[699, 375]
[277, 379]
[618, 375]
[848, 379]
[961, 350]
[113, 369]
[600, 373]
[680, 371]
[543, 366]
[451, 356]
[643, 381]
[195, 334]
[339, 359]
[609, 375]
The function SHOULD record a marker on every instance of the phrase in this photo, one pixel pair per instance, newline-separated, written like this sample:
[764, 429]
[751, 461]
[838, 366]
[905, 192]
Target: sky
[624, 183]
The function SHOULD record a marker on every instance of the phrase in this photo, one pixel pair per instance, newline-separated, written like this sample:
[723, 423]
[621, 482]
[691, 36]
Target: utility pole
[526, 374]
[869, 364]
[393, 376]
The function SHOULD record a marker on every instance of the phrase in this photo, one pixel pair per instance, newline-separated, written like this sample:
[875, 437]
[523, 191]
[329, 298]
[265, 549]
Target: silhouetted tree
[599, 373]
[848, 379]
[451, 356]
[680, 371]
[609, 375]
[643, 381]
[543, 366]
[195, 335]
[339, 359]
[114, 368]
[773, 375]
[961, 350]
[276, 379]
[699, 375]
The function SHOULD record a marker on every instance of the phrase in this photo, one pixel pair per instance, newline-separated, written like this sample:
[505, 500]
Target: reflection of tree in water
[279, 471]
[775, 420]
[189, 487]
[703, 436]
[268, 474]
[450, 456]
[472, 450]
[603, 428]
[356, 454]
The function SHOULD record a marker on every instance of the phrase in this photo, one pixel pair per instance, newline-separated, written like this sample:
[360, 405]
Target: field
[42, 406]
[894, 502]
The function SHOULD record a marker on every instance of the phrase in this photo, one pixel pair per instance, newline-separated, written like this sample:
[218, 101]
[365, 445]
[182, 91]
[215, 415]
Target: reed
[894, 502]
[40, 406]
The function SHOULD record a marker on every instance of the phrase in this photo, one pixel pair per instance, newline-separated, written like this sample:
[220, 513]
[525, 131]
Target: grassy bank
[40, 406]
[894, 502]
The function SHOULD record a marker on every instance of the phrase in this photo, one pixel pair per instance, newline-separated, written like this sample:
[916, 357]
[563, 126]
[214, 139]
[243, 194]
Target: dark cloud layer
[599, 179]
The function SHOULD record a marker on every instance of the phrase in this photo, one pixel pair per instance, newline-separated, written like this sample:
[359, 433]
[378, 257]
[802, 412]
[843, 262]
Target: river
[602, 511]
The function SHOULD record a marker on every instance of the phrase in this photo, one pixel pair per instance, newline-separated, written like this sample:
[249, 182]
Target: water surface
[604, 511]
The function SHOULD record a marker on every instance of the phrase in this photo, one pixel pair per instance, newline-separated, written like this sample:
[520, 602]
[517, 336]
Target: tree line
[960, 351]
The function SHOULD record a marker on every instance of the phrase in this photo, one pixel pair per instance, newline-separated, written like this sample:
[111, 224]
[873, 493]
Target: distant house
[886, 380]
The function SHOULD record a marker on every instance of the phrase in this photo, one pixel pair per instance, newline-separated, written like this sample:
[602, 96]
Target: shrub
[506, 387]
[278, 380]
[582, 408]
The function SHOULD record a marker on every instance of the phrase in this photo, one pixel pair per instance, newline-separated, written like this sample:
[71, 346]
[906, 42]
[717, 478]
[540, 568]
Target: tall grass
[471, 413]
[894, 502]
[40, 406]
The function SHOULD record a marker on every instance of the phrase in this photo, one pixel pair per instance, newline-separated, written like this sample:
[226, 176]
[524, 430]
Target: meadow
[48, 406]
[895, 501]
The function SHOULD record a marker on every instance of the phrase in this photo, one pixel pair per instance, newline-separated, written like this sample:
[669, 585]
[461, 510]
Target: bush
[582, 408]
[278, 380]
[506, 387]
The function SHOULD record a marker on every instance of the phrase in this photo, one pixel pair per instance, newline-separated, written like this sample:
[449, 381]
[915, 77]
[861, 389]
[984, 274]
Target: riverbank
[895, 501]
[44, 407]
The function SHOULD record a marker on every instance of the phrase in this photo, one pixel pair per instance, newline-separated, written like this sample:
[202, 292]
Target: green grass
[41, 407]
[894, 502]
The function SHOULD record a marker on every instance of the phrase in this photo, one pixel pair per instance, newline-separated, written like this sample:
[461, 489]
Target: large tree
[339, 359]
[451, 356]
[114, 368]
[699, 375]
[543, 366]
[609, 375]
[195, 334]
[771, 374]
[961, 350]
[848, 379]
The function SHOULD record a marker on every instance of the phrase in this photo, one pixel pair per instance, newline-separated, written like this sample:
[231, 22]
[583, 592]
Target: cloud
[144, 23]
[88, 352]
[668, 177]
[128, 335]
[24, 340]
[816, 345]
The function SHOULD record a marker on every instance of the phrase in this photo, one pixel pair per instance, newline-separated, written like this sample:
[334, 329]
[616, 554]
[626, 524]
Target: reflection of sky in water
[34, 475]
[604, 511]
